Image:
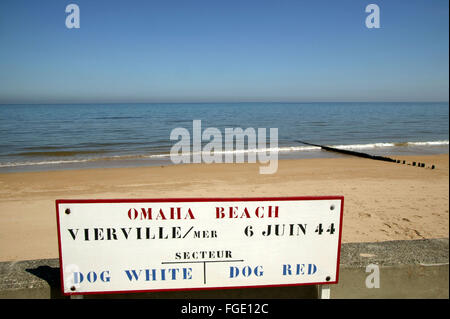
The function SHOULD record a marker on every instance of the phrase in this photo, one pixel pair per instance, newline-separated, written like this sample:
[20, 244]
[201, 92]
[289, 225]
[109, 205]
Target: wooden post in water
[347, 152]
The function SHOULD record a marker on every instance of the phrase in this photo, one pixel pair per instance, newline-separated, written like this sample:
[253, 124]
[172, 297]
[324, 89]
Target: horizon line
[216, 102]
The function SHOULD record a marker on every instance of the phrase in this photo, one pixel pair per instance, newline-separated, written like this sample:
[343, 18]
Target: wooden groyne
[363, 155]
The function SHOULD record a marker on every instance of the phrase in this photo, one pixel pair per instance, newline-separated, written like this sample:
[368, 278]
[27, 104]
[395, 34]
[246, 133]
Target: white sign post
[129, 245]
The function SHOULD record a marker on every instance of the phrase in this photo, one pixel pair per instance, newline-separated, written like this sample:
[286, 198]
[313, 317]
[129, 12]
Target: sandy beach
[383, 201]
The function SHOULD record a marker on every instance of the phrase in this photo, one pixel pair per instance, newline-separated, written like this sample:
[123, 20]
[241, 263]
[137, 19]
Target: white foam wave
[12, 164]
[283, 149]
[59, 162]
[429, 143]
[363, 146]
[387, 145]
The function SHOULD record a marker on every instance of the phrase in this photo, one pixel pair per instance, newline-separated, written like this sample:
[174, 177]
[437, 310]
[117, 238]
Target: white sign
[130, 245]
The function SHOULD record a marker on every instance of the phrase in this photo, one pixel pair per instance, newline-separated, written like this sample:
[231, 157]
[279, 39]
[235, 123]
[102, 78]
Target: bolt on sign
[134, 245]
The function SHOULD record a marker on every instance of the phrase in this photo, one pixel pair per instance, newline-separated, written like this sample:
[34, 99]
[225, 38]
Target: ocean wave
[363, 146]
[15, 164]
[281, 149]
[388, 145]
[57, 153]
[437, 143]
[83, 160]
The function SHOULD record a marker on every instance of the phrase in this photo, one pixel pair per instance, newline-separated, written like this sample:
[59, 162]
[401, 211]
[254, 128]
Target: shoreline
[64, 160]
[383, 201]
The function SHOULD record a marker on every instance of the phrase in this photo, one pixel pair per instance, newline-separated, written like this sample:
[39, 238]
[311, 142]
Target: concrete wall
[407, 269]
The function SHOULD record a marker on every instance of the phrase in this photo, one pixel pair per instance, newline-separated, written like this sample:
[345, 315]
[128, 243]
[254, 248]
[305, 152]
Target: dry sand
[383, 201]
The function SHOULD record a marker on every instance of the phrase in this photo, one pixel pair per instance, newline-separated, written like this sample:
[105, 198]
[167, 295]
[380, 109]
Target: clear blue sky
[223, 50]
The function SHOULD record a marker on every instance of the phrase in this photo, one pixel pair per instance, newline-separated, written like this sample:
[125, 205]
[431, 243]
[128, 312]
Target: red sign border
[205, 199]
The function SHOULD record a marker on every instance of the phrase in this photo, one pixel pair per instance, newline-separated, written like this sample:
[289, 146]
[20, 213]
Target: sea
[71, 136]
